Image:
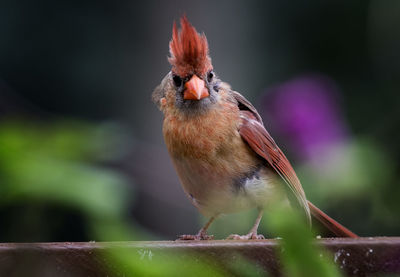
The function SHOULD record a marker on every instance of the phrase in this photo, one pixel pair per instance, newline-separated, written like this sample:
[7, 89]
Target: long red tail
[335, 227]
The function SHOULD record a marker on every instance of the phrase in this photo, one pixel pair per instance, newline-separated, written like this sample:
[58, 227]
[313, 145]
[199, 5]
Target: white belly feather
[212, 193]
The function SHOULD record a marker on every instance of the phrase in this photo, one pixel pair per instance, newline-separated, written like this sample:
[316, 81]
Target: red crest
[189, 51]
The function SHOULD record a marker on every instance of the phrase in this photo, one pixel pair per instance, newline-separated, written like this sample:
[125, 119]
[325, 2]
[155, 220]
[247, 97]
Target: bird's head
[191, 86]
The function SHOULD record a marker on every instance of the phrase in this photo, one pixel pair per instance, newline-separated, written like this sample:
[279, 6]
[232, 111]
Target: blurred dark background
[75, 84]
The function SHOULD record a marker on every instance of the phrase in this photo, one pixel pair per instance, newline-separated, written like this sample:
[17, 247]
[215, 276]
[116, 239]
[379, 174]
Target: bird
[226, 160]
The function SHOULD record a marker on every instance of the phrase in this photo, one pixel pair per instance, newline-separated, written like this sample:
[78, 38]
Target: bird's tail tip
[331, 224]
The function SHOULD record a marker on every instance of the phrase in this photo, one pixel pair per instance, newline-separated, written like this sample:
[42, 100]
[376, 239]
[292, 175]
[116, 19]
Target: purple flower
[305, 112]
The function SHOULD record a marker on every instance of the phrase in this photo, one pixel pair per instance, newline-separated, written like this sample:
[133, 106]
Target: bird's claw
[249, 236]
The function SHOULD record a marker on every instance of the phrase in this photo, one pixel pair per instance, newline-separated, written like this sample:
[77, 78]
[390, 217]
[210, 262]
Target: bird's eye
[177, 80]
[210, 76]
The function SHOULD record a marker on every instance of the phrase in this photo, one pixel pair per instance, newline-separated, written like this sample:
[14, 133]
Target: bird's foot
[198, 236]
[249, 236]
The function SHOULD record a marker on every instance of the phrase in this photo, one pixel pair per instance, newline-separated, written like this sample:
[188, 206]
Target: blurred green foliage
[300, 256]
[60, 163]
[354, 175]
[53, 163]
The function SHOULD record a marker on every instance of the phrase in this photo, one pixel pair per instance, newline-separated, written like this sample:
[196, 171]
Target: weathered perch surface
[356, 257]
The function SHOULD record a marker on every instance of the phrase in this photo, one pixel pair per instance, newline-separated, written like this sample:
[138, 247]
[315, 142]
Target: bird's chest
[201, 137]
[209, 156]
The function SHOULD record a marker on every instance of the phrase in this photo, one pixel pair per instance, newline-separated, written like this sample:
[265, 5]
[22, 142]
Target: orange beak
[195, 89]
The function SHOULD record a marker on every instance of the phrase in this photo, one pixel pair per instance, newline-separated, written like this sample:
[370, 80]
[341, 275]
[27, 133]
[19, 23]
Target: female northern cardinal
[225, 158]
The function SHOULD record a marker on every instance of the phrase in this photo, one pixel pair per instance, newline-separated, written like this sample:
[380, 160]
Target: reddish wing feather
[253, 132]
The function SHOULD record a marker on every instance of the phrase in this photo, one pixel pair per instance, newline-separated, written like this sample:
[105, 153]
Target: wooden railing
[355, 257]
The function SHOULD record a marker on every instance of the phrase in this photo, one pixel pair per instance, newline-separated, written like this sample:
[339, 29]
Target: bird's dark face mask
[196, 94]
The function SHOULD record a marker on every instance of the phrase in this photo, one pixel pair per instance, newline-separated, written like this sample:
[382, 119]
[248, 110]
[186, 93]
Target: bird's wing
[254, 133]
